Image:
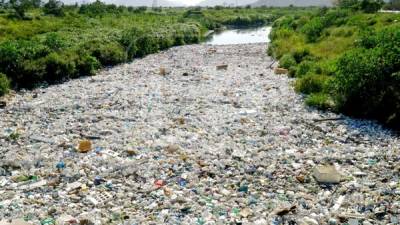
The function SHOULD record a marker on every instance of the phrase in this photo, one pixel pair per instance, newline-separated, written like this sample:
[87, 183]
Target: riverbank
[176, 140]
[45, 49]
[333, 56]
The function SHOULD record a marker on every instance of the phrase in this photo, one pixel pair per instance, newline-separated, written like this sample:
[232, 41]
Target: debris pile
[201, 144]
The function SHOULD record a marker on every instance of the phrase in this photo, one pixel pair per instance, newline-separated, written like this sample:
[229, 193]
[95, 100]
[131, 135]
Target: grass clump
[311, 83]
[4, 84]
[287, 61]
[320, 101]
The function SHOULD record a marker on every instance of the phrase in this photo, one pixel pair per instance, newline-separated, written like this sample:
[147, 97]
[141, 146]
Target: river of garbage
[196, 134]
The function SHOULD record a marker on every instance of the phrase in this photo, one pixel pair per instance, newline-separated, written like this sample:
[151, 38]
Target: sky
[189, 2]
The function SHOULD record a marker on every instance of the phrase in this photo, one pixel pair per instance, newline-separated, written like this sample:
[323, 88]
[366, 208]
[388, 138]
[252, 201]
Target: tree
[2, 4]
[93, 9]
[54, 7]
[348, 4]
[371, 6]
[393, 5]
[21, 6]
[368, 6]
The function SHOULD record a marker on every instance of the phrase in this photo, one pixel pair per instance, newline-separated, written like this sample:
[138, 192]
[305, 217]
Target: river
[240, 36]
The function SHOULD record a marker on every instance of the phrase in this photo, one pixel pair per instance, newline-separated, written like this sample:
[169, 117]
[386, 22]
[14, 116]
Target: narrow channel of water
[240, 36]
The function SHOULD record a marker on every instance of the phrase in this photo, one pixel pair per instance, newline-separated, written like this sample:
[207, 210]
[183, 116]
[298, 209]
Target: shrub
[311, 83]
[16, 57]
[54, 7]
[4, 84]
[313, 29]
[107, 54]
[21, 6]
[336, 17]
[392, 5]
[280, 33]
[349, 4]
[327, 67]
[270, 50]
[148, 44]
[363, 83]
[87, 65]
[368, 79]
[140, 9]
[287, 61]
[139, 42]
[59, 67]
[292, 71]
[287, 22]
[301, 54]
[305, 67]
[371, 6]
[54, 41]
[320, 101]
[368, 6]
[94, 9]
[343, 32]
[129, 40]
[31, 73]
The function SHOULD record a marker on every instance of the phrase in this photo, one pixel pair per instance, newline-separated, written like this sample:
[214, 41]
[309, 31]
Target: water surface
[240, 36]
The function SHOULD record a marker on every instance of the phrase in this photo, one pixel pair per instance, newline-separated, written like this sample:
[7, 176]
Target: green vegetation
[54, 43]
[4, 84]
[392, 5]
[344, 59]
[368, 6]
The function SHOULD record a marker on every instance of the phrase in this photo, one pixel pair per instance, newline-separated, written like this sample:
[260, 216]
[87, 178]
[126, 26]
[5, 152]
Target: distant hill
[226, 2]
[283, 3]
[149, 3]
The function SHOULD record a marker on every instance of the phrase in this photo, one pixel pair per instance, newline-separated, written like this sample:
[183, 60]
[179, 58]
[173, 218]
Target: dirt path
[194, 146]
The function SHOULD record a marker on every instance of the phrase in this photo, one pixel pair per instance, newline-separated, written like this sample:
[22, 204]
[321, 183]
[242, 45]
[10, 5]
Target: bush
[368, 79]
[140, 9]
[349, 4]
[22, 6]
[368, 6]
[305, 67]
[59, 67]
[17, 60]
[287, 22]
[336, 17]
[280, 33]
[107, 54]
[292, 71]
[392, 5]
[320, 101]
[327, 67]
[301, 54]
[94, 9]
[371, 6]
[4, 84]
[54, 7]
[311, 83]
[87, 65]
[129, 40]
[54, 41]
[140, 42]
[313, 29]
[287, 61]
